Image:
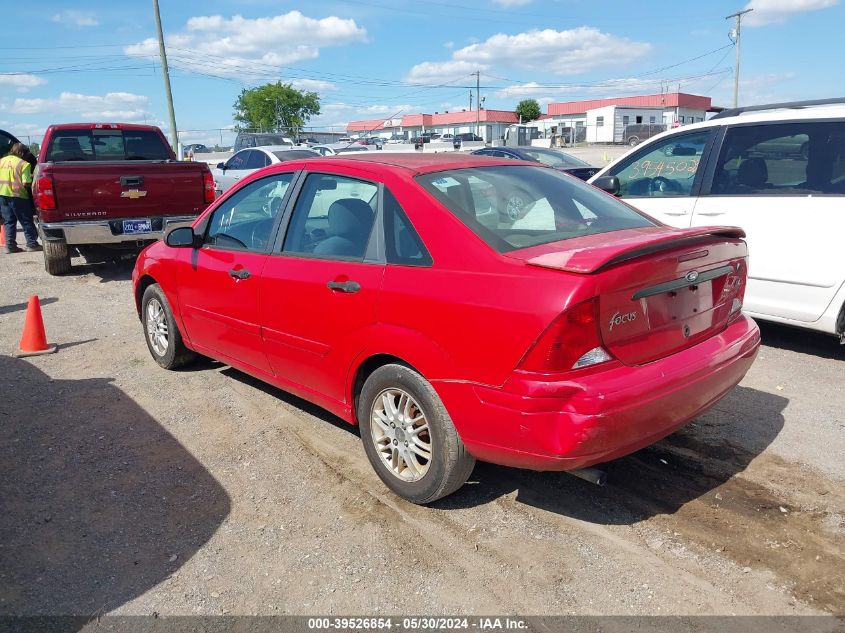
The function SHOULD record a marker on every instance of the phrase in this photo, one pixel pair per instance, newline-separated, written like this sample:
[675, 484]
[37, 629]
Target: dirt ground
[131, 490]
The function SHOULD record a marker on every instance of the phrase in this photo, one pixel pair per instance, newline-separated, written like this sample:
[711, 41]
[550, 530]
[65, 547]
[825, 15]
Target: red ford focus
[456, 308]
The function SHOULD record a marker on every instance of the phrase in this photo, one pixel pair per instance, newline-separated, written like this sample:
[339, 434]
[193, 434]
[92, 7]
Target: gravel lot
[131, 490]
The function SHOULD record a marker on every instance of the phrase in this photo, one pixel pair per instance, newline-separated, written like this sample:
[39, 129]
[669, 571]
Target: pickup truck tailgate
[128, 189]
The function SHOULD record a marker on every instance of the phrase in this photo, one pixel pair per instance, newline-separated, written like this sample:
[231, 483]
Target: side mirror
[181, 237]
[221, 166]
[610, 184]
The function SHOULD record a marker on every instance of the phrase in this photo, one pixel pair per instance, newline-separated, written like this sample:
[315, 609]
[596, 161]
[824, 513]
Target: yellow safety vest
[15, 174]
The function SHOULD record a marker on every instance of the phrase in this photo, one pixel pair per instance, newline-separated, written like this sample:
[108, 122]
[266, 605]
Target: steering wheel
[661, 184]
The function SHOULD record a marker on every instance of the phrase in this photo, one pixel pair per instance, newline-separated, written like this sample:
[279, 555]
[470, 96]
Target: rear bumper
[111, 231]
[563, 425]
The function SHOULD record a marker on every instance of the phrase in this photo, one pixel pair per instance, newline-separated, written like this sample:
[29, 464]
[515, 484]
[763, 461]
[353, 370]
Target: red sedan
[456, 308]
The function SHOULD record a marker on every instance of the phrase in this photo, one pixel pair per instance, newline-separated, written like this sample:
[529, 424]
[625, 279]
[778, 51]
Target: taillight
[208, 187]
[45, 196]
[735, 284]
[572, 341]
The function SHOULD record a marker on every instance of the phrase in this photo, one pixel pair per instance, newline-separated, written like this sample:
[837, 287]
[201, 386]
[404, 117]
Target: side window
[245, 220]
[332, 218]
[665, 168]
[239, 160]
[782, 159]
[256, 160]
[403, 244]
[6, 143]
[71, 145]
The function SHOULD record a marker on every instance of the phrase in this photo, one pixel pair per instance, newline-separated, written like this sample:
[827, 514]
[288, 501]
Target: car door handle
[677, 213]
[239, 273]
[710, 213]
[344, 286]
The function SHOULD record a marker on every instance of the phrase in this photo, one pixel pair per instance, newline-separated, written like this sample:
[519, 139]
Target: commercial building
[491, 124]
[606, 120]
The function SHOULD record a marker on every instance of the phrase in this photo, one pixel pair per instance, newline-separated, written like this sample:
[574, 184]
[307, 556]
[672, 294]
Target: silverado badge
[133, 194]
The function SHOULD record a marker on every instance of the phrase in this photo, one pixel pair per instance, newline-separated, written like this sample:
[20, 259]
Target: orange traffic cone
[2, 235]
[34, 339]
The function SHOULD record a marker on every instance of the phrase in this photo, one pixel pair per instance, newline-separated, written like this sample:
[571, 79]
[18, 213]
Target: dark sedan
[550, 157]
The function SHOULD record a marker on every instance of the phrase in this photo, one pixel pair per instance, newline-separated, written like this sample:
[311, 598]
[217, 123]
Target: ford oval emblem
[692, 276]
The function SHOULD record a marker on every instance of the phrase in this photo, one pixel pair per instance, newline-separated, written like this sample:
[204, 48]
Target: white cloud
[313, 85]
[21, 81]
[76, 18]
[511, 3]
[250, 48]
[441, 72]
[546, 51]
[115, 106]
[771, 11]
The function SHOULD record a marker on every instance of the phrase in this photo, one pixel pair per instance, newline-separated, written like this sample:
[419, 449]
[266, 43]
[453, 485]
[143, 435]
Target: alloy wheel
[157, 331]
[400, 433]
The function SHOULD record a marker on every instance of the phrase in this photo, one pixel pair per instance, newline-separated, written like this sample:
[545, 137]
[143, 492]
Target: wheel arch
[144, 282]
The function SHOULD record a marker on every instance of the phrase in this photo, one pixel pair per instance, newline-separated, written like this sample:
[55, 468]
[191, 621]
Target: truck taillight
[572, 341]
[45, 196]
[208, 187]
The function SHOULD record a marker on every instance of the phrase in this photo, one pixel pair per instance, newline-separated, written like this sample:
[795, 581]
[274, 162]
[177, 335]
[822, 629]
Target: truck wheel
[163, 337]
[633, 141]
[409, 437]
[56, 257]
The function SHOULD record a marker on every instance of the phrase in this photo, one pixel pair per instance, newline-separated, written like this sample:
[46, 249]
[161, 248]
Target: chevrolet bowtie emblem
[133, 194]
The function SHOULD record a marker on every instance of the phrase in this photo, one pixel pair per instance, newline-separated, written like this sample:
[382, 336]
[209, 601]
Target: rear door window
[403, 244]
[106, 145]
[782, 159]
[256, 160]
[665, 168]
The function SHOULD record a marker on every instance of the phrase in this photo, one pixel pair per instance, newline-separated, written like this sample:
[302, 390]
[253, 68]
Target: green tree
[528, 110]
[34, 148]
[276, 107]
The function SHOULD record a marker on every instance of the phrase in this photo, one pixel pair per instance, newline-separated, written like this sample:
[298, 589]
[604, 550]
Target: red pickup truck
[106, 190]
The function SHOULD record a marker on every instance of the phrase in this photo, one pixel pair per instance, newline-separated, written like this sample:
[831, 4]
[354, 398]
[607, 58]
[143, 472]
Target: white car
[777, 171]
[247, 161]
[339, 148]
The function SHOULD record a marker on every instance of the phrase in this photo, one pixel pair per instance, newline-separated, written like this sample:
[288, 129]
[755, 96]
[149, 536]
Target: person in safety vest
[16, 199]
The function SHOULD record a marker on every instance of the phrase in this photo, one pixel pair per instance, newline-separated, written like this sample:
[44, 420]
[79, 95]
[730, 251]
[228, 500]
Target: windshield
[271, 139]
[554, 159]
[512, 207]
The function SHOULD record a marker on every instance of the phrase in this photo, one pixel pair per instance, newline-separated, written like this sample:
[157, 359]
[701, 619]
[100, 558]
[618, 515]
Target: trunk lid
[106, 190]
[660, 290]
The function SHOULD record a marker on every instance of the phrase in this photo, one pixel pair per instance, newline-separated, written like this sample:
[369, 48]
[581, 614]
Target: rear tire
[164, 340]
[397, 395]
[56, 257]
[633, 141]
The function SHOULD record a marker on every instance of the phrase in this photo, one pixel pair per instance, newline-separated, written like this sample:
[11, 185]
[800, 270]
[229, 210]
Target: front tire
[160, 331]
[409, 437]
[56, 257]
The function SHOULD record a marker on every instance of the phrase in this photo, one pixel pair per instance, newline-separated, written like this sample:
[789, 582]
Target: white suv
[777, 171]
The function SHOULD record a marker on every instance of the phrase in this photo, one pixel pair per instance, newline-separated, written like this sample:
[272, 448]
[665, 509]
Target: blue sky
[98, 60]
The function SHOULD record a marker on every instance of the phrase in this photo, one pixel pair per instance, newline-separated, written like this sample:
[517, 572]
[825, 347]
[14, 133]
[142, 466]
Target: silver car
[247, 161]
[339, 148]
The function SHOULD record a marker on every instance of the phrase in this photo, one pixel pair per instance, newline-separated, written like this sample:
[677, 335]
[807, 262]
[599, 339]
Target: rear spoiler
[595, 252]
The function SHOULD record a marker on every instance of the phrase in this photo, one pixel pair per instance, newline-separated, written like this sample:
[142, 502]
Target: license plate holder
[132, 227]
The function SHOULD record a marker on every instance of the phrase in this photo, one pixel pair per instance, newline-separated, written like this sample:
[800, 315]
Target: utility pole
[477, 100]
[738, 15]
[470, 100]
[174, 135]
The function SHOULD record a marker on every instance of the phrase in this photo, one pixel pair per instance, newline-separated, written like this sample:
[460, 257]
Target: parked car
[396, 139]
[459, 139]
[456, 308]
[425, 137]
[339, 148]
[447, 138]
[375, 141]
[260, 139]
[106, 190]
[636, 133]
[778, 172]
[195, 148]
[6, 142]
[248, 161]
[550, 157]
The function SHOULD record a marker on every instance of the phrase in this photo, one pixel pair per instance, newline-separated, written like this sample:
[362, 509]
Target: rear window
[294, 154]
[106, 145]
[513, 207]
[554, 159]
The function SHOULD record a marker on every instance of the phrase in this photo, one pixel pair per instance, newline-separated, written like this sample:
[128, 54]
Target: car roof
[419, 163]
[105, 126]
[274, 148]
